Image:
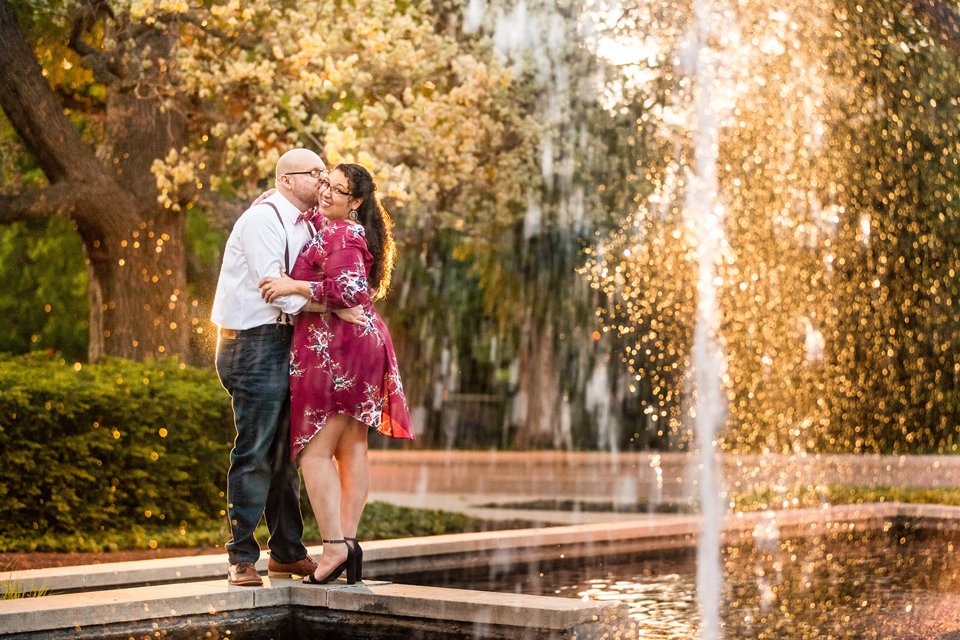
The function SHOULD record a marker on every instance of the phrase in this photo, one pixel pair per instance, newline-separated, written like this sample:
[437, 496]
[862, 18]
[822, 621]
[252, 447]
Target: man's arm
[270, 289]
[264, 239]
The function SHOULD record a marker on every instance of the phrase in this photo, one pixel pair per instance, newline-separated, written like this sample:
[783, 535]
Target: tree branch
[35, 112]
[38, 205]
[242, 40]
[95, 60]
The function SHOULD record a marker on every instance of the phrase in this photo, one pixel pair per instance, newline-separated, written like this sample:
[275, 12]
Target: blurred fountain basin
[577, 487]
[584, 487]
[788, 574]
[853, 572]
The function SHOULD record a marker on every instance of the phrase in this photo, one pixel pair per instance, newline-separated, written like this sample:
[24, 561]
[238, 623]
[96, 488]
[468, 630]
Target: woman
[344, 378]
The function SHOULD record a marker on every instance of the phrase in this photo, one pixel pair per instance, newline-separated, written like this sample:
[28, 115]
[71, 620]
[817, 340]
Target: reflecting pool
[846, 585]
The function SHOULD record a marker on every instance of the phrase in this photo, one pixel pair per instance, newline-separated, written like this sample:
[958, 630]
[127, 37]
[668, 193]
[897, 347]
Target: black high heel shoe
[350, 565]
[357, 555]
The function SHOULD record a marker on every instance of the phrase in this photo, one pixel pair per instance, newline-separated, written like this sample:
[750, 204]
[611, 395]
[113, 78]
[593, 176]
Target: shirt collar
[286, 208]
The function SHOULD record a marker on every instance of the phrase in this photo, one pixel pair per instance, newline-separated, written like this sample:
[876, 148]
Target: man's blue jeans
[254, 368]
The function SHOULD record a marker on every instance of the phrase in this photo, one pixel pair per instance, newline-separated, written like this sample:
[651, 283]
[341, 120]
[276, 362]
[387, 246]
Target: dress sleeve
[343, 283]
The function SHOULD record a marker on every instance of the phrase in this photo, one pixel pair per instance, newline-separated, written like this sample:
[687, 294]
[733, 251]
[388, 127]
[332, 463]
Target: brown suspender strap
[286, 249]
[286, 244]
[286, 255]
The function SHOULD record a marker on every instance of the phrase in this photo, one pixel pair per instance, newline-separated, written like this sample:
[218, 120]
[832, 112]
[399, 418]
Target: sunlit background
[537, 159]
[569, 183]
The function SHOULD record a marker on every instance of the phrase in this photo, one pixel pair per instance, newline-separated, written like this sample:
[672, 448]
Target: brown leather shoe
[302, 567]
[244, 574]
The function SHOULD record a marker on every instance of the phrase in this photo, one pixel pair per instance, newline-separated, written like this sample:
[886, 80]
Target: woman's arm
[344, 281]
[272, 287]
[341, 284]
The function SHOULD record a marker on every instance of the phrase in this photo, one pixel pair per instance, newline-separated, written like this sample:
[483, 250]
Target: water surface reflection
[843, 586]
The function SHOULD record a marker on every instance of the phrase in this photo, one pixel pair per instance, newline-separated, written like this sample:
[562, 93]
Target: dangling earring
[354, 215]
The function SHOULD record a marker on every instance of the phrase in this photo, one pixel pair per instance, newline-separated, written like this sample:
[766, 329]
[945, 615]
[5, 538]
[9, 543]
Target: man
[253, 353]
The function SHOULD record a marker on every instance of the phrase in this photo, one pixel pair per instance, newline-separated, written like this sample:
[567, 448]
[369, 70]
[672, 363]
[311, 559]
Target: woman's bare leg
[323, 486]
[351, 454]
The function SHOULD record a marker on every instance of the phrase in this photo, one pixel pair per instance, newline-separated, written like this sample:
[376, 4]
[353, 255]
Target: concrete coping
[195, 593]
[515, 542]
[79, 610]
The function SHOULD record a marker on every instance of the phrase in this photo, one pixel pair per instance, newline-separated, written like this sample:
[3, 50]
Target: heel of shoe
[335, 573]
[351, 563]
[279, 574]
[354, 544]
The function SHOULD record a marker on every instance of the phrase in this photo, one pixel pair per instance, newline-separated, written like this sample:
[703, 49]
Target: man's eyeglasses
[313, 173]
[325, 184]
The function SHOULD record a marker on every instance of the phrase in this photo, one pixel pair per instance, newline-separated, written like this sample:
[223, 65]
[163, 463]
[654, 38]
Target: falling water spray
[705, 216]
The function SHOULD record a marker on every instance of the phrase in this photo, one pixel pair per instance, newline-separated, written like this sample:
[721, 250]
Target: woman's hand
[271, 287]
[263, 196]
[353, 315]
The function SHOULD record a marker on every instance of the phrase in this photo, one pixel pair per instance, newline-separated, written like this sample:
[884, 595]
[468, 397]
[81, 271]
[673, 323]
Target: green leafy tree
[152, 109]
[45, 301]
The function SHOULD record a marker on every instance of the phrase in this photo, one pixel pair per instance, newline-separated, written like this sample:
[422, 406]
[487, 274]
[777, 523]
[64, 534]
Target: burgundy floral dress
[335, 366]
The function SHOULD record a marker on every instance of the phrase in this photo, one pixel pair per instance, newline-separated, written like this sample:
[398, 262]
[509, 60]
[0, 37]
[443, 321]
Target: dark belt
[233, 334]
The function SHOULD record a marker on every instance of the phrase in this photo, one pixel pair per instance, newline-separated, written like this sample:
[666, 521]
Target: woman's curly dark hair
[377, 225]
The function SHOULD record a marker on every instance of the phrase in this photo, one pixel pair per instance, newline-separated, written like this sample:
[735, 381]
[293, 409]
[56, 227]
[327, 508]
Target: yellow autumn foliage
[436, 120]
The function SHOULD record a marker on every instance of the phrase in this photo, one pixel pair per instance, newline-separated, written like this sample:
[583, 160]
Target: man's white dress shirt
[255, 249]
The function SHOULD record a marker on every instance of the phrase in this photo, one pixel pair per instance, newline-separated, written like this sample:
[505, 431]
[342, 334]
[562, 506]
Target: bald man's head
[298, 160]
[298, 176]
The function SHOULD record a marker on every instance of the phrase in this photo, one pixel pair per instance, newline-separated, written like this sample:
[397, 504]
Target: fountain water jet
[705, 215]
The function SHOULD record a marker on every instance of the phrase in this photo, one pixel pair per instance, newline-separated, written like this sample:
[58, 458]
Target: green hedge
[88, 449]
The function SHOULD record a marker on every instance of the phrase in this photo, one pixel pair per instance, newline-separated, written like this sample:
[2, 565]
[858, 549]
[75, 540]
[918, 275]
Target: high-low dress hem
[337, 367]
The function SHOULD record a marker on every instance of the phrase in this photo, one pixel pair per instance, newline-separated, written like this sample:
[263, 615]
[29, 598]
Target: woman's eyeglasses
[325, 184]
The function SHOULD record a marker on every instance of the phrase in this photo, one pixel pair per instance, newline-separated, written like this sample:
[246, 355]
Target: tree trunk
[538, 416]
[134, 248]
[137, 291]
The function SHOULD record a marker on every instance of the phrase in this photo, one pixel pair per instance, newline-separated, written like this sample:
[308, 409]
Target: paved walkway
[481, 483]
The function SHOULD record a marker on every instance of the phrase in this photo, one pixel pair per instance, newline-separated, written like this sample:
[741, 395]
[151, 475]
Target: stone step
[110, 611]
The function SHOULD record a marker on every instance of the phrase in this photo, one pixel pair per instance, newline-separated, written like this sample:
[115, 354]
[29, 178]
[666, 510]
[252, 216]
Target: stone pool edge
[202, 600]
[385, 558]
[194, 585]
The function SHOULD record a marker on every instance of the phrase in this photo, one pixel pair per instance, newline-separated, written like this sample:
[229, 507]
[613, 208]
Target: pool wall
[178, 596]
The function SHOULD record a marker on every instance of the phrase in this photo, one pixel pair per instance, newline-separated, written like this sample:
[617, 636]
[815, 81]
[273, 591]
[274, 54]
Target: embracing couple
[308, 363]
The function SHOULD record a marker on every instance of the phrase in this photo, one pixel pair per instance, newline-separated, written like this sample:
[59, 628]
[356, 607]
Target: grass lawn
[380, 521]
[383, 521]
[800, 496]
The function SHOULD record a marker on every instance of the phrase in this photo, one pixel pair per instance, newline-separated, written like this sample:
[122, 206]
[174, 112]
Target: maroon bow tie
[307, 216]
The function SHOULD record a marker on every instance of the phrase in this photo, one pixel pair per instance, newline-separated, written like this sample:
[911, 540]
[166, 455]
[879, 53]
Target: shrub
[112, 446]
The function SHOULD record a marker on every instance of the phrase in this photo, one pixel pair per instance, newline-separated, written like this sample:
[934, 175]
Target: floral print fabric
[335, 366]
